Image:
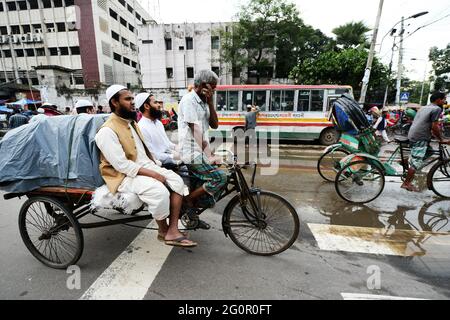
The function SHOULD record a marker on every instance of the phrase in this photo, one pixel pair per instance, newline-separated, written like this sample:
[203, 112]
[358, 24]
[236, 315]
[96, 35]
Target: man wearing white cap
[41, 115]
[84, 106]
[153, 130]
[127, 166]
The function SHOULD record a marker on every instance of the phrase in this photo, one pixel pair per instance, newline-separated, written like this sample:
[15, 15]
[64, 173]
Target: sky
[328, 14]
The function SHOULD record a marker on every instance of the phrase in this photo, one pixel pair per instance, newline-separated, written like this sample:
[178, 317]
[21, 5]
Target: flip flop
[162, 238]
[179, 243]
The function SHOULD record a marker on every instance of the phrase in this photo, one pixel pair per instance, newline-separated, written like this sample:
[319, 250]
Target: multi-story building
[89, 41]
[171, 54]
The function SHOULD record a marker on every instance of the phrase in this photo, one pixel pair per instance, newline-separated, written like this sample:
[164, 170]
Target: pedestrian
[250, 129]
[67, 111]
[425, 124]
[84, 106]
[100, 110]
[381, 125]
[17, 119]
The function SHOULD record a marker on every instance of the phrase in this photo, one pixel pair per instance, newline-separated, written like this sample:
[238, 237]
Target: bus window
[260, 100]
[287, 103]
[247, 99]
[282, 100]
[221, 100]
[233, 100]
[317, 100]
[303, 100]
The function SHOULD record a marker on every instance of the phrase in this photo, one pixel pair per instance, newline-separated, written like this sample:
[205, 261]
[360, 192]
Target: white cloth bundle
[126, 202]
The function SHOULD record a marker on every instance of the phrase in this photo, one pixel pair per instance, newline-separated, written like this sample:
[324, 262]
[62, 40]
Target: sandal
[410, 187]
[178, 242]
[162, 238]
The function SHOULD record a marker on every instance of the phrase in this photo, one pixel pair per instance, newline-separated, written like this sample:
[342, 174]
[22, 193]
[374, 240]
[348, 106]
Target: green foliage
[441, 66]
[345, 67]
[415, 90]
[352, 34]
[267, 29]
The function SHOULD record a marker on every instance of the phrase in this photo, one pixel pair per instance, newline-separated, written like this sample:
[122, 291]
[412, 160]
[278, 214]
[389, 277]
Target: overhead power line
[429, 24]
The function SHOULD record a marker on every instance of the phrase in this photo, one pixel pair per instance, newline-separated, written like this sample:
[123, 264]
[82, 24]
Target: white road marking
[404, 243]
[130, 276]
[358, 296]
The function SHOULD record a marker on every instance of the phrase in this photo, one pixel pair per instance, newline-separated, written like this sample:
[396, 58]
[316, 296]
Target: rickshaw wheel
[50, 232]
[360, 182]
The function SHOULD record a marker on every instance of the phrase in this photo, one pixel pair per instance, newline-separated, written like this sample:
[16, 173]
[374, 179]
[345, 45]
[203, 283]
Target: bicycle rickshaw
[257, 221]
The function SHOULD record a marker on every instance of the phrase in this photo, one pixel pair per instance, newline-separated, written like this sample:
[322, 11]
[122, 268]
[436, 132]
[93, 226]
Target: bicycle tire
[346, 168]
[437, 221]
[320, 164]
[437, 169]
[242, 240]
[67, 219]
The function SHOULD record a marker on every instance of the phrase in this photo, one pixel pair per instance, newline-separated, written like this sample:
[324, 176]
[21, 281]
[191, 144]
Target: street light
[400, 58]
[424, 77]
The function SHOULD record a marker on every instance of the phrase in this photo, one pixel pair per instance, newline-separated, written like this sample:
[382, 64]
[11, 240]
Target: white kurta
[151, 191]
[156, 139]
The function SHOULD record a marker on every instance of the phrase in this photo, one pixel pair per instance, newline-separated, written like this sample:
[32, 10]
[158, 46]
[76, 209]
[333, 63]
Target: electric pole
[400, 63]
[366, 78]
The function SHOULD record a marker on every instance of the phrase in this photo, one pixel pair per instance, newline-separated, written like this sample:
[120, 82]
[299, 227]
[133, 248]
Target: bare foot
[409, 187]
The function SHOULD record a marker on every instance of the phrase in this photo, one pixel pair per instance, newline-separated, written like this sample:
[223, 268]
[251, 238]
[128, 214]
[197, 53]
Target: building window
[138, 16]
[130, 8]
[115, 35]
[58, 3]
[117, 57]
[3, 30]
[74, 51]
[20, 53]
[169, 73]
[30, 52]
[215, 43]
[123, 22]
[40, 52]
[64, 51]
[126, 61]
[22, 5]
[47, 3]
[133, 64]
[189, 43]
[190, 72]
[122, 2]
[50, 27]
[37, 28]
[7, 53]
[147, 41]
[34, 81]
[168, 42]
[69, 3]
[1, 7]
[133, 46]
[125, 42]
[61, 26]
[131, 28]
[53, 51]
[113, 14]
[79, 80]
[11, 6]
[33, 4]
[26, 28]
[216, 70]
[181, 48]
[15, 29]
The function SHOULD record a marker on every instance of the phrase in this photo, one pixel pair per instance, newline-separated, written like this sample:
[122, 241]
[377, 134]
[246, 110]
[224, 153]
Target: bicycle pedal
[203, 225]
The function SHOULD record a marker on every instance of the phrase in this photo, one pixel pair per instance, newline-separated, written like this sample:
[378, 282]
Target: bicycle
[361, 178]
[257, 221]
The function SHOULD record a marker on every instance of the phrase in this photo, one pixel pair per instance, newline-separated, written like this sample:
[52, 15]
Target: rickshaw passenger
[128, 166]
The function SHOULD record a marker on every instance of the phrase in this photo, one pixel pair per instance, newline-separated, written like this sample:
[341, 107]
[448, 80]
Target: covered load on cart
[57, 152]
[356, 131]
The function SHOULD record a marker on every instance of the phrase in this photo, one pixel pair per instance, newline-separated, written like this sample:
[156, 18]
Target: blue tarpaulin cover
[37, 154]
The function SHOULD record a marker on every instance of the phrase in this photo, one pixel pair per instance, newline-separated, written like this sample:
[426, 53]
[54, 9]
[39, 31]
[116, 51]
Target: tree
[352, 34]
[441, 66]
[270, 35]
[345, 67]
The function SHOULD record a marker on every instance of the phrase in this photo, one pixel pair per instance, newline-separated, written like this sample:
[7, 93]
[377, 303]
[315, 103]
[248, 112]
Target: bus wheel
[329, 136]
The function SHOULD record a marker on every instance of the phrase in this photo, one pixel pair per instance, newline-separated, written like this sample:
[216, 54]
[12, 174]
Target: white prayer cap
[83, 103]
[140, 99]
[47, 104]
[112, 90]
[40, 110]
